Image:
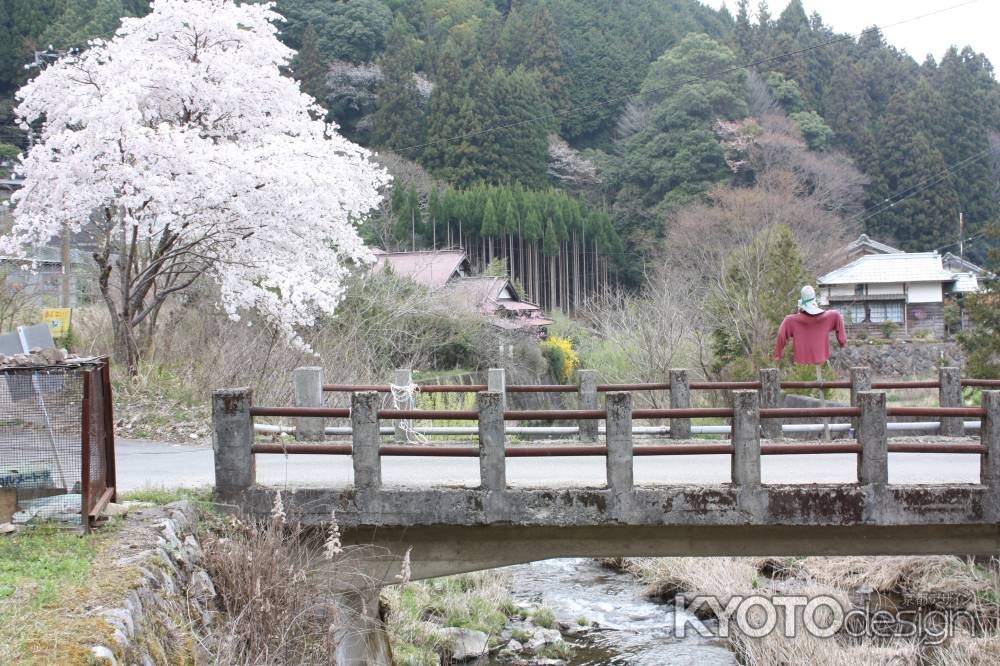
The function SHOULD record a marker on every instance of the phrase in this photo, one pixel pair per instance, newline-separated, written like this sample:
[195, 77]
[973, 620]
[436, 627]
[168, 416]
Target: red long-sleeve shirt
[811, 335]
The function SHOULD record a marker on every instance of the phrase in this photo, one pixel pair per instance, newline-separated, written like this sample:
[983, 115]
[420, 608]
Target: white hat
[807, 301]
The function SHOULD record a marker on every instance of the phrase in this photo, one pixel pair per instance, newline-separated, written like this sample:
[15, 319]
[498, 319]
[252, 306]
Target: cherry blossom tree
[185, 153]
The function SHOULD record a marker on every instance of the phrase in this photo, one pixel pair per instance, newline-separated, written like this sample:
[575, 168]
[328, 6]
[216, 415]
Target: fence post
[365, 439]
[403, 377]
[861, 380]
[232, 436]
[492, 464]
[619, 437]
[746, 439]
[950, 395]
[873, 462]
[308, 383]
[588, 400]
[680, 398]
[989, 434]
[770, 398]
[496, 382]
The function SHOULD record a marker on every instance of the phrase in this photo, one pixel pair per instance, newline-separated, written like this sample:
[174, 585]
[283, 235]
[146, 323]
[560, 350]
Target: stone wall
[168, 617]
[899, 358]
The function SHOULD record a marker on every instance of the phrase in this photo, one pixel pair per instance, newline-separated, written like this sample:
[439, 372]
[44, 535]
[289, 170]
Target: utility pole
[961, 236]
[67, 267]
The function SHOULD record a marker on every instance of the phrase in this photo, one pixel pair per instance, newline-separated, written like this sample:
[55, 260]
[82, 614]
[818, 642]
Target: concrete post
[365, 438]
[770, 398]
[496, 382]
[989, 433]
[950, 395]
[746, 439]
[873, 463]
[588, 400]
[308, 384]
[861, 380]
[680, 398]
[619, 436]
[403, 377]
[492, 464]
[232, 436]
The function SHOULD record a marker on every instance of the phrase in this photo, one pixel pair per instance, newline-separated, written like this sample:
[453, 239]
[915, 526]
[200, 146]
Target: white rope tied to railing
[404, 396]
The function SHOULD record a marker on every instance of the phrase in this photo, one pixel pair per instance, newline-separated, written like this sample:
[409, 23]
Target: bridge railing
[310, 389]
[235, 448]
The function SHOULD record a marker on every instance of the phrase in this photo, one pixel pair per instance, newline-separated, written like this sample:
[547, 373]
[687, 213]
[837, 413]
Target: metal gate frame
[97, 482]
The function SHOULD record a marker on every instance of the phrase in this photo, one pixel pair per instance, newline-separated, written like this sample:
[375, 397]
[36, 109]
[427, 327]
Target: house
[38, 279]
[882, 284]
[496, 297]
[433, 269]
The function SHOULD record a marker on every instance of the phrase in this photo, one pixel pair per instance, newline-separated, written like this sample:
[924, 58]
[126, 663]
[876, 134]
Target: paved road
[143, 464]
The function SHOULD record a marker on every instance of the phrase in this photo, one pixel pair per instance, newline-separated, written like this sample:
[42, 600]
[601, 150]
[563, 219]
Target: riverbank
[950, 603]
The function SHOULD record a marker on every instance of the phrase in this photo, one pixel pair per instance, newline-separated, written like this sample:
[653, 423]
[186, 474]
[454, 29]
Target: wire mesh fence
[55, 442]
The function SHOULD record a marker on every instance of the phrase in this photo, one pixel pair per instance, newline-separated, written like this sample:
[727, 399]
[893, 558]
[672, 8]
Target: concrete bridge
[449, 530]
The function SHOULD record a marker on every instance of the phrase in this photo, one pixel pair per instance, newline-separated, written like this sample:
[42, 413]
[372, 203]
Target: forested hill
[640, 109]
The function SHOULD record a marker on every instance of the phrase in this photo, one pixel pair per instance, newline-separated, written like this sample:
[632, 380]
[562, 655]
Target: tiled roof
[864, 241]
[965, 283]
[893, 267]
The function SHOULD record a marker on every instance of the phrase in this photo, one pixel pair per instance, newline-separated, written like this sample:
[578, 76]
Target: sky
[972, 23]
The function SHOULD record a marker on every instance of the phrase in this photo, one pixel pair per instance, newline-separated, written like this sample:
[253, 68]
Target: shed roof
[892, 267]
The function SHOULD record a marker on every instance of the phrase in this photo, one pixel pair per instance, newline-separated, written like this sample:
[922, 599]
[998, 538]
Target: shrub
[861, 334]
[562, 359]
[888, 328]
[923, 334]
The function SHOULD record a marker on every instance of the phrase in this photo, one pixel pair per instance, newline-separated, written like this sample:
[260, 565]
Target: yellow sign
[58, 320]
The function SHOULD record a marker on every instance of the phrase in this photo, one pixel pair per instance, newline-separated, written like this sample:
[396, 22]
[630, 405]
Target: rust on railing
[327, 412]
[683, 413]
[606, 388]
[586, 451]
[806, 412]
[935, 411]
[655, 386]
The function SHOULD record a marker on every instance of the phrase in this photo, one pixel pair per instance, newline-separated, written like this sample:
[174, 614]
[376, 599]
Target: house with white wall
[909, 289]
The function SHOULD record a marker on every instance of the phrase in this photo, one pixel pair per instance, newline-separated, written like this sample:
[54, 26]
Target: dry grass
[942, 582]
[275, 611]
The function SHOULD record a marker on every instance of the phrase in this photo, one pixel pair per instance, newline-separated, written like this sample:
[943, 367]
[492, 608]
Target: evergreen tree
[759, 284]
[965, 81]
[454, 122]
[309, 67]
[397, 122]
[518, 152]
[911, 174]
[981, 338]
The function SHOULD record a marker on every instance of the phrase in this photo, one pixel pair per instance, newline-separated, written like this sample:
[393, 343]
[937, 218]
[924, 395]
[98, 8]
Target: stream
[626, 627]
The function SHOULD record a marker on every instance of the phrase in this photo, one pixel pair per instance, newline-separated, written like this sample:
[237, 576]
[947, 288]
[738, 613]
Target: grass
[418, 611]
[50, 578]
[544, 618]
[160, 495]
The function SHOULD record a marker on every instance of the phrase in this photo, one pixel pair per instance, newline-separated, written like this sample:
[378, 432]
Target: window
[881, 311]
[855, 313]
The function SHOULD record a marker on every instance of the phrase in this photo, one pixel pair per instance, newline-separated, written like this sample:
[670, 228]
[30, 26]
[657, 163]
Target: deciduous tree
[182, 149]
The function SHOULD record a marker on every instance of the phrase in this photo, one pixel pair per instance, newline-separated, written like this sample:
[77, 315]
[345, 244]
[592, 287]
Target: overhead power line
[705, 77]
[913, 190]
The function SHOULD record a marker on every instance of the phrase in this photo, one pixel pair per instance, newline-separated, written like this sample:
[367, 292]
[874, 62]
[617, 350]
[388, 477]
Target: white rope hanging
[405, 397]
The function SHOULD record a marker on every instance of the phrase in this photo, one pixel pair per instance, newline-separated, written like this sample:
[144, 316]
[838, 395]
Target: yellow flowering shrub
[562, 358]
